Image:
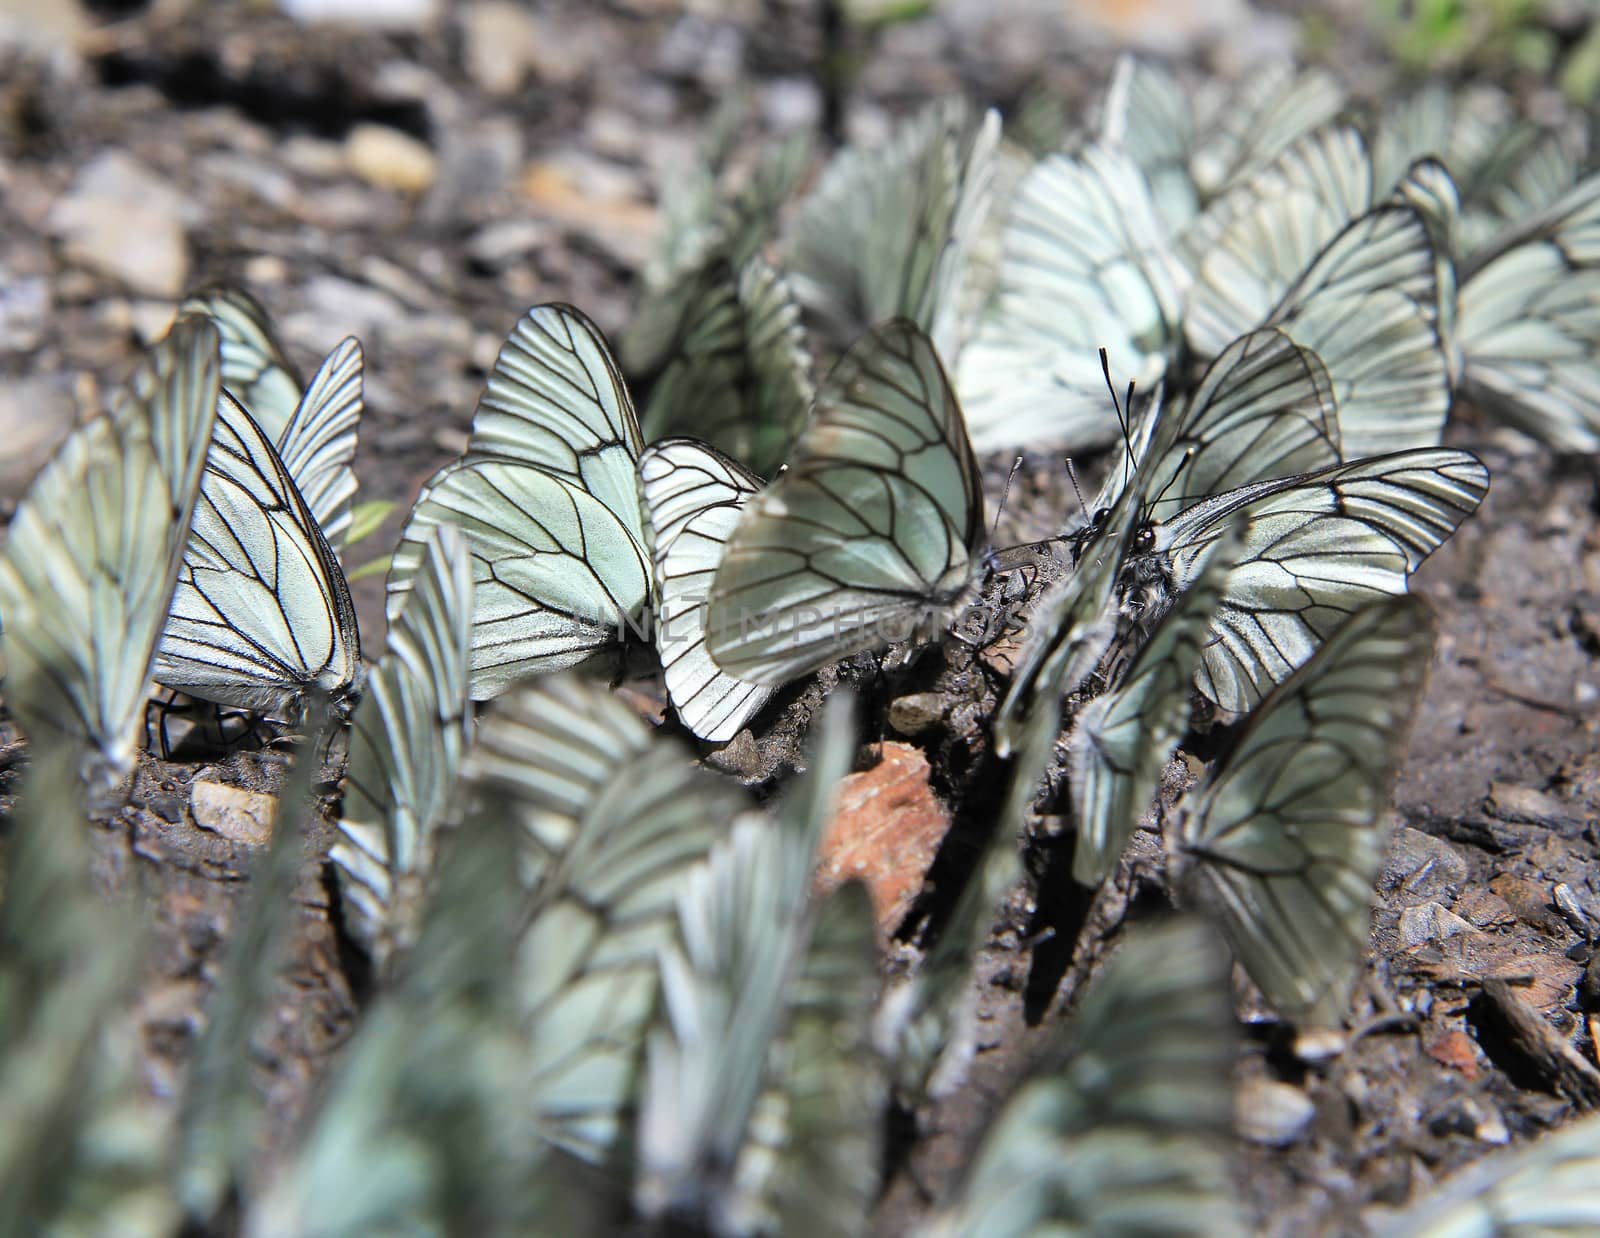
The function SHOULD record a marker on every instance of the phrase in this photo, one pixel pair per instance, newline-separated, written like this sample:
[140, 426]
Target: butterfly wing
[1244, 133]
[1148, 114]
[872, 531]
[1085, 265]
[407, 738]
[1285, 839]
[90, 561]
[556, 574]
[261, 613]
[318, 446]
[694, 497]
[889, 232]
[739, 377]
[254, 368]
[1315, 549]
[556, 399]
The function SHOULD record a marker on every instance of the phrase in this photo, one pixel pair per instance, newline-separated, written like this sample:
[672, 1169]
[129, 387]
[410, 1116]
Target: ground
[422, 187]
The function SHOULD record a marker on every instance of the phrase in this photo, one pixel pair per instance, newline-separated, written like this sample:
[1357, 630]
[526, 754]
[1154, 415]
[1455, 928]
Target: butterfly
[407, 739]
[694, 497]
[94, 550]
[738, 376]
[873, 533]
[1193, 146]
[547, 498]
[1284, 838]
[1527, 327]
[1124, 1127]
[1308, 247]
[890, 231]
[313, 430]
[1086, 263]
[261, 616]
[760, 1088]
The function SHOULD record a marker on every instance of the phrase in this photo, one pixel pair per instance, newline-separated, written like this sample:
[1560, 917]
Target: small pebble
[1272, 1113]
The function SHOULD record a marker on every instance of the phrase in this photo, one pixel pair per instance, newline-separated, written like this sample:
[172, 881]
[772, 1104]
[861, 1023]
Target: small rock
[152, 319]
[1484, 908]
[1530, 900]
[497, 44]
[312, 157]
[385, 14]
[1589, 987]
[1421, 864]
[915, 712]
[1430, 922]
[390, 159]
[501, 244]
[241, 816]
[334, 308]
[1528, 806]
[886, 831]
[265, 269]
[125, 221]
[1272, 1113]
[25, 306]
[1456, 1050]
[1319, 1044]
[596, 202]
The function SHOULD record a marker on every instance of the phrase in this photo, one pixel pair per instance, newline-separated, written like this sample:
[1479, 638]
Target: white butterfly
[1284, 839]
[694, 497]
[1124, 1128]
[1086, 264]
[407, 738]
[889, 231]
[93, 552]
[548, 500]
[874, 532]
[261, 614]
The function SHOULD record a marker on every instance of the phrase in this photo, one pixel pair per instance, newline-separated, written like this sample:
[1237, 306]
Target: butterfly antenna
[1122, 414]
[1176, 473]
[1005, 494]
[1072, 476]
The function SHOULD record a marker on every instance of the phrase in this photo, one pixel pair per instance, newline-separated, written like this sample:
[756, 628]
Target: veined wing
[1547, 1188]
[1315, 549]
[254, 368]
[318, 446]
[693, 498]
[614, 822]
[1121, 741]
[872, 532]
[557, 400]
[89, 563]
[1460, 127]
[739, 374]
[1285, 839]
[261, 613]
[1245, 132]
[1148, 114]
[1124, 1130]
[407, 738]
[888, 232]
[1086, 265]
[556, 574]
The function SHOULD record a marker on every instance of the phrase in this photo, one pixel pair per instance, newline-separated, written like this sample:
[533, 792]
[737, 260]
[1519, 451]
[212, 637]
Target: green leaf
[366, 519]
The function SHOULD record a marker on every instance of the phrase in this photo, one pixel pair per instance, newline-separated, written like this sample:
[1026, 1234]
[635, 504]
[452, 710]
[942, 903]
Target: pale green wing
[1149, 115]
[1459, 127]
[888, 231]
[1252, 244]
[613, 822]
[1527, 172]
[262, 614]
[318, 446]
[1547, 1188]
[407, 738]
[1243, 132]
[1284, 840]
[1126, 1129]
[1315, 549]
[1263, 409]
[1086, 264]
[872, 533]
[744, 929]
[1529, 328]
[1429, 189]
[556, 574]
[739, 374]
[555, 399]
[693, 497]
[93, 551]
[1121, 741]
[254, 368]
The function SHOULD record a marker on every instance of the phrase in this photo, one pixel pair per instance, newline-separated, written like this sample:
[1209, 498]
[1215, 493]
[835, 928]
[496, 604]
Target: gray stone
[1272, 1113]
[1422, 865]
[124, 220]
